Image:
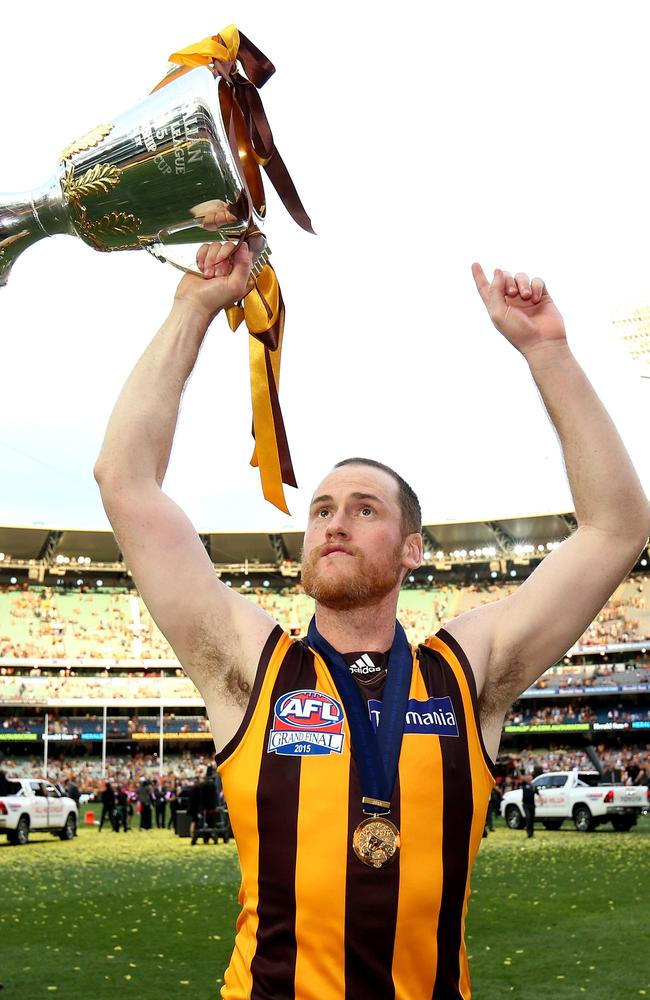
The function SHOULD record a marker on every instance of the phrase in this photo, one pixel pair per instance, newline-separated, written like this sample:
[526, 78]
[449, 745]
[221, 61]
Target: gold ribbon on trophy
[262, 310]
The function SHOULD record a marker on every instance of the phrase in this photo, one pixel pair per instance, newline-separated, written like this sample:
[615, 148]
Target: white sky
[421, 137]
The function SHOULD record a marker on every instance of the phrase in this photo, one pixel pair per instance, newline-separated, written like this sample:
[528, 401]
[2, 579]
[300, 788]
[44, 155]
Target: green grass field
[146, 915]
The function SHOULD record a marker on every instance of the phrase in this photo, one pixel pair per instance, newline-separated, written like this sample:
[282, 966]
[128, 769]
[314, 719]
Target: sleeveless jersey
[316, 923]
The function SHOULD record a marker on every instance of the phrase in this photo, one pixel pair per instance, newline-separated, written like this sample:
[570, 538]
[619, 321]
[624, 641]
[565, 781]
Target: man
[122, 810]
[144, 801]
[7, 786]
[108, 805]
[195, 809]
[159, 803]
[72, 790]
[494, 804]
[326, 913]
[528, 796]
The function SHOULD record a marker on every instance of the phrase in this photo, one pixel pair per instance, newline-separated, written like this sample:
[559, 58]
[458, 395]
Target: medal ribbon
[262, 310]
[376, 754]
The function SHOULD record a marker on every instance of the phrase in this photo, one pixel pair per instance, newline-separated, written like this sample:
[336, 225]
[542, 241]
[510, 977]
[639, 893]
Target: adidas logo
[364, 666]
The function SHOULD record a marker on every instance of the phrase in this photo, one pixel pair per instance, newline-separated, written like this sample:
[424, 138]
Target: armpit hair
[235, 687]
[219, 670]
[502, 687]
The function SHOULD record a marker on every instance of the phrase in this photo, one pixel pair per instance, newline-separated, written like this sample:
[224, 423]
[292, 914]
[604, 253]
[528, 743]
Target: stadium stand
[75, 649]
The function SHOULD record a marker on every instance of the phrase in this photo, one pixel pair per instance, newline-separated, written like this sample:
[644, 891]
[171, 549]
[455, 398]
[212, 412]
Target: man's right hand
[226, 272]
[227, 278]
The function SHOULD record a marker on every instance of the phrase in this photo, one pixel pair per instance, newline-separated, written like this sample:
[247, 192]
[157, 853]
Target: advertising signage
[577, 727]
[547, 727]
[171, 736]
[571, 692]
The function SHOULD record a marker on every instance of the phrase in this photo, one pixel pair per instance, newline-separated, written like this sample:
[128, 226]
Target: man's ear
[413, 550]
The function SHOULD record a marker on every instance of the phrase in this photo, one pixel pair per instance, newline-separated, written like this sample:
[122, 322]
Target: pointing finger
[482, 284]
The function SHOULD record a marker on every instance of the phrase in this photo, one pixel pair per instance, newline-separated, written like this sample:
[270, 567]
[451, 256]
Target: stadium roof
[443, 541]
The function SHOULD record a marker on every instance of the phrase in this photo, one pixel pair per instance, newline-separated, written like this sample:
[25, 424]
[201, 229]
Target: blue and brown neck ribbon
[262, 309]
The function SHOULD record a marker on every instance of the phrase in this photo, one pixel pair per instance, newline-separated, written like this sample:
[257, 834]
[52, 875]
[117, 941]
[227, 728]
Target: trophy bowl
[149, 180]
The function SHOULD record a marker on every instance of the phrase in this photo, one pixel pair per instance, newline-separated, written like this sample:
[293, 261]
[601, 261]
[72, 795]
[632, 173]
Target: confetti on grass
[532, 916]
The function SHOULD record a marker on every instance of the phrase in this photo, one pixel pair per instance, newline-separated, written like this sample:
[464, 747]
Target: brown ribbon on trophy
[262, 309]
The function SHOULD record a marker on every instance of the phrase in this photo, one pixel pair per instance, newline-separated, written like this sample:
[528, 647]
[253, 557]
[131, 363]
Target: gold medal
[376, 841]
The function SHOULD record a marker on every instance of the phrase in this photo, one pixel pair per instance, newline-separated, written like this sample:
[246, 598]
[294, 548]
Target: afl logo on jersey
[306, 724]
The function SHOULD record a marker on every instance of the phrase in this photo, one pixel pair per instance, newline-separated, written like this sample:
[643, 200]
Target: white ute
[578, 796]
[39, 806]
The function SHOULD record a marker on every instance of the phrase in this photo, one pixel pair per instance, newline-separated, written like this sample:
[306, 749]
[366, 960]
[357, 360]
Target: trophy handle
[177, 244]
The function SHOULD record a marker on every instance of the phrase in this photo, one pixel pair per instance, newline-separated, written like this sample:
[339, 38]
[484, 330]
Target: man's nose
[337, 526]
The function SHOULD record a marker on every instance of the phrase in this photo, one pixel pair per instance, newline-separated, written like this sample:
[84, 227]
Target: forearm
[141, 428]
[606, 490]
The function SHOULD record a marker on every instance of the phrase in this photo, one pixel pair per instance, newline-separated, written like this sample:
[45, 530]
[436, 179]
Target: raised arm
[516, 639]
[216, 634]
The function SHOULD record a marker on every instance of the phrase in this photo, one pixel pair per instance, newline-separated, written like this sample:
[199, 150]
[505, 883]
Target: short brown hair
[408, 501]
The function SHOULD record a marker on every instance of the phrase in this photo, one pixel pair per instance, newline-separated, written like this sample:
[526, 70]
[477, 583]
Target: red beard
[364, 584]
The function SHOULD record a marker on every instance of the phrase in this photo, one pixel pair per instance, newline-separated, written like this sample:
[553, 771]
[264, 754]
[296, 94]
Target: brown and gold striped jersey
[316, 923]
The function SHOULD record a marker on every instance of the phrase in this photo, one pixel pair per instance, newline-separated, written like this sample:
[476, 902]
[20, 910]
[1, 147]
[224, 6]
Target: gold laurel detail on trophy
[99, 230]
[100, 179]
[87, 141]
[116, 222]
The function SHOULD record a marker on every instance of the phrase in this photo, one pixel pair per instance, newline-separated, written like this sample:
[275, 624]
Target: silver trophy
[143, 181]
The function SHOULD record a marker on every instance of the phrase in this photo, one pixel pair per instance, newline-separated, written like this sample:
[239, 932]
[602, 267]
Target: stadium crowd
[70, 686]
[17, 688]
[22, 685]
[564, 714]
[128, 660]
[143, 723]
[631, 764]
[50, 623]
[116, 726]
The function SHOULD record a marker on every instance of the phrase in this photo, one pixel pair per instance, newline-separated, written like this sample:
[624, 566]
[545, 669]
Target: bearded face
[348, 578]
[355, 552]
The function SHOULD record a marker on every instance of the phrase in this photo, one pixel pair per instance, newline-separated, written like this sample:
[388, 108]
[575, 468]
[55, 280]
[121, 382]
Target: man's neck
[370, 629]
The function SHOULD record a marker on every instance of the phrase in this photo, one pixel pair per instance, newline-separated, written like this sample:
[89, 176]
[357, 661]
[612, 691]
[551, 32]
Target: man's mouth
[331, 549]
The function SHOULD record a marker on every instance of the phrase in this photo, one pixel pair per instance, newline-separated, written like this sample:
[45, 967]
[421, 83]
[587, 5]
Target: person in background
[528, 795]
[159, 803]
[172, 797]
[210, 789]
[7, 786]
[144, 800]
[195, 803]
[72, 791]
[108, 806]
[643, 777]
[122, 811]
[493, 808]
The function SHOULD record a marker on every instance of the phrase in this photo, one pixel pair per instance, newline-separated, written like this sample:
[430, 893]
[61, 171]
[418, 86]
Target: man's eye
[321, 512]
[367, 510]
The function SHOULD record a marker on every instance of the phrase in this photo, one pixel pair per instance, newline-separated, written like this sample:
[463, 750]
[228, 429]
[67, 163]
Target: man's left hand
[521, 309]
